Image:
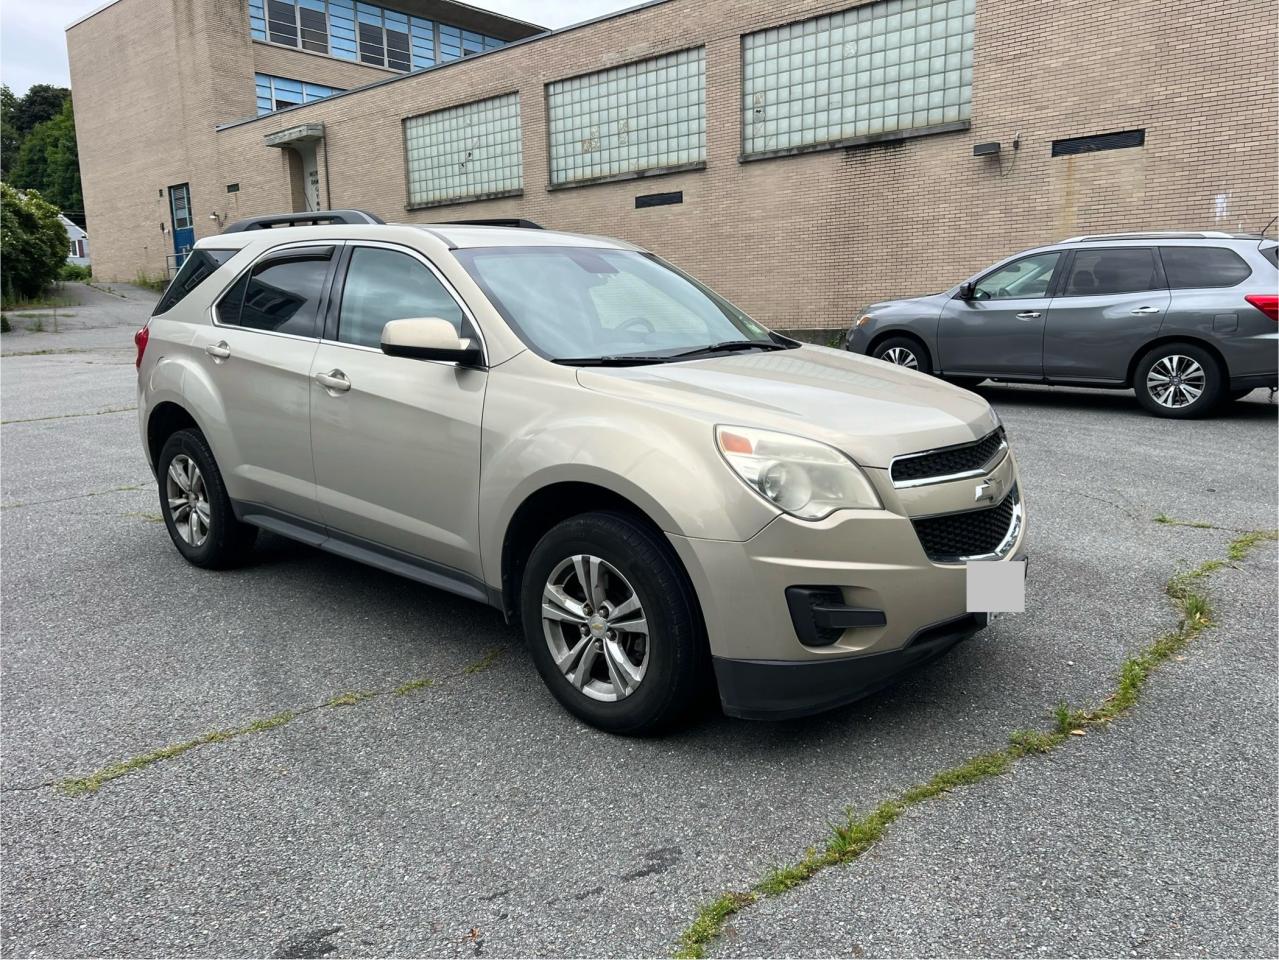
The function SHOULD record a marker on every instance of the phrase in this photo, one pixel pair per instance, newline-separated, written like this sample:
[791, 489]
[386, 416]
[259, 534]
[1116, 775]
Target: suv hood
[871, 410]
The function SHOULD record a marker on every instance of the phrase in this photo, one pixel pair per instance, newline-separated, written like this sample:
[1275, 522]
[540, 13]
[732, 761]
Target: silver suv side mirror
[428, 338]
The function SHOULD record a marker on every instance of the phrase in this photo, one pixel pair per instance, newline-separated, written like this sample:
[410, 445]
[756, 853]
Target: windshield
[580, 304]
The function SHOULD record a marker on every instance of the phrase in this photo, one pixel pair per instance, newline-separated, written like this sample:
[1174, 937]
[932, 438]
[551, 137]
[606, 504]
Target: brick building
[804, 157]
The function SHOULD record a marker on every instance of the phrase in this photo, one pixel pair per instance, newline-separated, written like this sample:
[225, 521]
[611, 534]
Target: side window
[281, 293]
[1112, 271]
[1027, 277]
[195, 270]
[384, 285]
[1191, 267]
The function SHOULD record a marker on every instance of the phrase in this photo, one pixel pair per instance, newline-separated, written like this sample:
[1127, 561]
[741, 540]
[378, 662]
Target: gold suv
[654, 485]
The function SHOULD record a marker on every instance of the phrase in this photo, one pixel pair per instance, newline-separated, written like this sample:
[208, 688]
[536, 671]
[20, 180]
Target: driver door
[396, 440]
[999, 331]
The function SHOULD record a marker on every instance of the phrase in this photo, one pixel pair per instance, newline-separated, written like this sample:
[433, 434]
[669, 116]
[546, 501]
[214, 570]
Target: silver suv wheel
[595, 627]
[188, 500]
[1176, 381]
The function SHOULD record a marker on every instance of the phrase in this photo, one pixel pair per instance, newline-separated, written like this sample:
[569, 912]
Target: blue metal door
[183, 225]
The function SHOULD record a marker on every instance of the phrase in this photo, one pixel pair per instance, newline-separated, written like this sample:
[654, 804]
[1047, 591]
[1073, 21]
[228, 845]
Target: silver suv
[652, 484]
[1187, 320]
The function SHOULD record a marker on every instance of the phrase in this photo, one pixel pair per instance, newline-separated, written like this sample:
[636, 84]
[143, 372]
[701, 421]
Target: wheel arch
[1212, 351]
[888, 334]
[166, 419]
[552, 504]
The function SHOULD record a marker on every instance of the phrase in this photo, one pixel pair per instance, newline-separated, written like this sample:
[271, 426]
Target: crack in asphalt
[71, 416]
[92, 782]
[75, 496]
[850, 840]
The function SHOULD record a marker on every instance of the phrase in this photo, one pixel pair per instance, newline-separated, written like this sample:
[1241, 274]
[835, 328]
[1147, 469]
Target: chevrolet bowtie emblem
[985, 490]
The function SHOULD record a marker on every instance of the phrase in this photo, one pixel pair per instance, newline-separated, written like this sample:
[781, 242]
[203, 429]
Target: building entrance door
[183, 225]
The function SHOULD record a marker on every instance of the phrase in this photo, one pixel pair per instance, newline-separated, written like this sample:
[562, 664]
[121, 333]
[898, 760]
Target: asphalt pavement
[381, 815]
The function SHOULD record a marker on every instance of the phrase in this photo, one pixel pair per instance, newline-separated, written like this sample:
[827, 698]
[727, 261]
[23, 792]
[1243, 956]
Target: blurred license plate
[996, 586]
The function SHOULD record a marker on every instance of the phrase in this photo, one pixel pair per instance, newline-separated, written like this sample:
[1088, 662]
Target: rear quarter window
[200, 263]
[1271, 254]
[1198, 267]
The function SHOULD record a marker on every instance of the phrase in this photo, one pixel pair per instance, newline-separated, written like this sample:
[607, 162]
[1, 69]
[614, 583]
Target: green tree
[49, 162]
[33, 243]
[10, 138]
[40, 103]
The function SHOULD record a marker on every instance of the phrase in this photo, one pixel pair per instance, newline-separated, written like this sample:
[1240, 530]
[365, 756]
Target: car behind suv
[1184, 319]
[573, 431]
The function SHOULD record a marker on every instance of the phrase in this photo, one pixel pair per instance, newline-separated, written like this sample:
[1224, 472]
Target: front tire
[1179, 381]
[904, 352]
[612, 624]
[196, 508]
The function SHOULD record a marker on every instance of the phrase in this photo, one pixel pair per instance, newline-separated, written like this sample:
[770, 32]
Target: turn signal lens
[864, 319]
[1267, 303]
[807, 479]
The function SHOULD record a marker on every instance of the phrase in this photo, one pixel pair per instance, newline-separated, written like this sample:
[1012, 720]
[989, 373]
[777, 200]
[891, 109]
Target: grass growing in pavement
[78, 786]
[1173, 522]
[849, 840]
[482, 664]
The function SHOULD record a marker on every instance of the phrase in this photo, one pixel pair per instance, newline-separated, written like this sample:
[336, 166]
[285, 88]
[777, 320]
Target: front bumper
[864, 561]
[782, 689]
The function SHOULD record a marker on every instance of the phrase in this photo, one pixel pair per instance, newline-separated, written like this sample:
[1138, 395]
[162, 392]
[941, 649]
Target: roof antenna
[1263, 231]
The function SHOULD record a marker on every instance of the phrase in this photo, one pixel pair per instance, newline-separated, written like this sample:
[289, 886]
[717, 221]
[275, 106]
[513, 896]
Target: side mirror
[965, 291]
[428, 338]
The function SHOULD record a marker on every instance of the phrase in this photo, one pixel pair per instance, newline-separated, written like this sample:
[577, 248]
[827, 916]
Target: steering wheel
[637, 325]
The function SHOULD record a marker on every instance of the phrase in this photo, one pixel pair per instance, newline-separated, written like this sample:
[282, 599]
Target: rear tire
[904, 352]
[1180, 381]
[196, 508]
[578, 648]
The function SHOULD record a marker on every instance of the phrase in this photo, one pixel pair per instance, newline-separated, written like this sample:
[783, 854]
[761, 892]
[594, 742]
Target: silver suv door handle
[218, 351]
[334, 381]
[1145, 311]
[1029, 315]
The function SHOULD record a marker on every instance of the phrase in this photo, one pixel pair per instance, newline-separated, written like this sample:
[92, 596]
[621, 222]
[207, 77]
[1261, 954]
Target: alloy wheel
[188, 500]
[901, 356]
[1176, 381]
[595, 627]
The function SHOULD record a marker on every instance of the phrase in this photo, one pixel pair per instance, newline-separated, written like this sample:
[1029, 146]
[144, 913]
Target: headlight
[807, 479]
[861, 321]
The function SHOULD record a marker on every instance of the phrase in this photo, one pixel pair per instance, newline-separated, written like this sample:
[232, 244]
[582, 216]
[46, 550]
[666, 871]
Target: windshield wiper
[611, 361]
[730, 346]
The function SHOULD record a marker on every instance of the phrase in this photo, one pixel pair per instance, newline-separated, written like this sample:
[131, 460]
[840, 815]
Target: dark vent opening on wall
[659, 199]
[232, 188]
[1100, 141]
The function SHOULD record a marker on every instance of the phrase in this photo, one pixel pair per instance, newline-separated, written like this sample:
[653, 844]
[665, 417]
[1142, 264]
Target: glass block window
[892, 65]
[633, 118]
[364, 32]
[276, 93]
[465, 152]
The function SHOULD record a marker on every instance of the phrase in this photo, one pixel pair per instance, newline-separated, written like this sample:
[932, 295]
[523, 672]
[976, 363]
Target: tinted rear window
[1110, 271]
[1191, 267]
[281, 293]
[199, 264]
[1271, 254]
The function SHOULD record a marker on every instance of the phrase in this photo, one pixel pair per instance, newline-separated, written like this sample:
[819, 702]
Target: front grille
[973, 533]
[944, 463]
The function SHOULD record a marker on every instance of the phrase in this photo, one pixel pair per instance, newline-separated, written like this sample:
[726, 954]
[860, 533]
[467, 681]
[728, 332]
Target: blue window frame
[364, 33]
[276, 93]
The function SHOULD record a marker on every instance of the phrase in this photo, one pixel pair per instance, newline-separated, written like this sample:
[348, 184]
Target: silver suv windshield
[595, 306]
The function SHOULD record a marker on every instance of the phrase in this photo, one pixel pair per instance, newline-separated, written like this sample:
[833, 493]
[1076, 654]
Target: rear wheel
[1178, 380]
[195, 505]
[904, 352]
[612, 626]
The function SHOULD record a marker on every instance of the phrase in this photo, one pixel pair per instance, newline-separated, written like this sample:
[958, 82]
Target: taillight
[140, 341]
[1267, 303]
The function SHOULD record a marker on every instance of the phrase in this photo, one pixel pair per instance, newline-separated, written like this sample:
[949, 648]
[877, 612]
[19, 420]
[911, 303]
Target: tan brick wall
[805, 241]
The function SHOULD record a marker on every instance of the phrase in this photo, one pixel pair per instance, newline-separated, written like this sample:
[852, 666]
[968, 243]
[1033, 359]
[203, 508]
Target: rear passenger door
[256, 357]
[1111, 301]
[397, 440]
[1202, 305]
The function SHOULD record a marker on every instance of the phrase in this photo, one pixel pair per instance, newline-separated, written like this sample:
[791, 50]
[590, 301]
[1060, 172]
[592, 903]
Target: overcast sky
[33, 47]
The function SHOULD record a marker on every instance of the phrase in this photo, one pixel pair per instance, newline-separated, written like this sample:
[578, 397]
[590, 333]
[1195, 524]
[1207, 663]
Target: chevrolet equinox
[657, 487]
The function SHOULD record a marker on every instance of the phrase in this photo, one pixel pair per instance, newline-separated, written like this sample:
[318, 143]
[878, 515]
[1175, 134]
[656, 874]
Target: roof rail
[513, 222]
[1156, 235]
[312, 218]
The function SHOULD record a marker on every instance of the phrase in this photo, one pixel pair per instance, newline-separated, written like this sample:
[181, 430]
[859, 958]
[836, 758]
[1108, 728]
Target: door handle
[1029, 315]
[1144, 311]
[335, 381]
[218, 351]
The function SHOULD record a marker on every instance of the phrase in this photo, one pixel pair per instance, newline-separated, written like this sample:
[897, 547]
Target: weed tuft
[482, 664]
[351, 698]
[404, 689]
[709, 923]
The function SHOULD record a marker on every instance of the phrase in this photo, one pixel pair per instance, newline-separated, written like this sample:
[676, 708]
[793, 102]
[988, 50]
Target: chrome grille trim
[995, 460]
